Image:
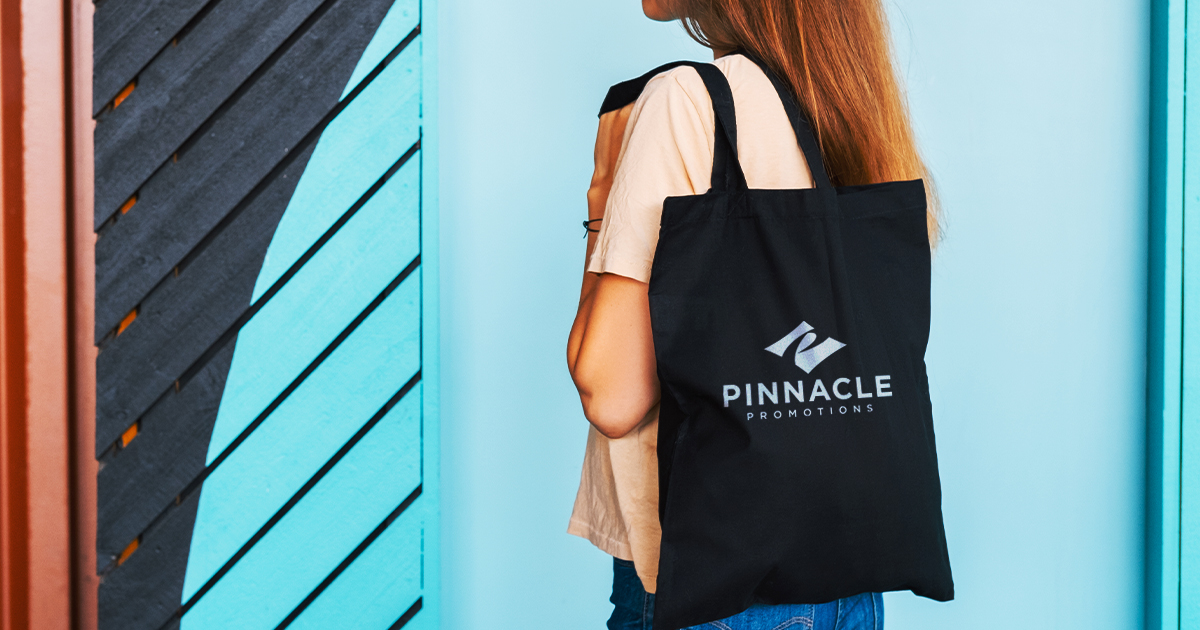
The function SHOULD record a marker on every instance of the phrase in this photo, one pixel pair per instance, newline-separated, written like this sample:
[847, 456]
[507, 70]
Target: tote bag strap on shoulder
[800, 124]
[725, 178]
[727, 170]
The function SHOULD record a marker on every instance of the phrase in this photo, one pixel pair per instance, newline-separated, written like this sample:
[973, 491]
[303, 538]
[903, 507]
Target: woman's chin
[655, 10]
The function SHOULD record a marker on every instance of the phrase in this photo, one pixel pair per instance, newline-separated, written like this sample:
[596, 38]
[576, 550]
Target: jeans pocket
[795, 623]
[860, 612]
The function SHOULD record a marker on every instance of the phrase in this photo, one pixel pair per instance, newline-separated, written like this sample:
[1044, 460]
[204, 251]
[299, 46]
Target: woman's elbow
[612, 420]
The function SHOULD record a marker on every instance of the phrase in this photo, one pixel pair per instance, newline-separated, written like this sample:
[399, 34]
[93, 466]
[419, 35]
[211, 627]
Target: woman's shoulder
[673, 84]
[685, 82]
[671, 102]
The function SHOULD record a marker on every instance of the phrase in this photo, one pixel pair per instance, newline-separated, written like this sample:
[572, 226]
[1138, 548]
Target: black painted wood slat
[183, 201]
[164, 536]
[169, 451]
[127, 34]
[146, 590]
[183, 86]
[184, 315]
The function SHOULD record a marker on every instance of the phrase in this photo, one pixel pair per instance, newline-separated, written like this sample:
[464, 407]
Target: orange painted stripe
[127, 552]
[127, 321]
[124, 94]
[129, 434]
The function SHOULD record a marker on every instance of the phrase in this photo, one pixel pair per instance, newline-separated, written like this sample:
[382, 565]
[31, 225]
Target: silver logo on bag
[846, 395]
[808, 356]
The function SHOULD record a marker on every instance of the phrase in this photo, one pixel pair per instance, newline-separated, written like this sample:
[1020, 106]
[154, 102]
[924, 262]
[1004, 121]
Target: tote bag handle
[627, 92]
[727, 169]
[800, 124]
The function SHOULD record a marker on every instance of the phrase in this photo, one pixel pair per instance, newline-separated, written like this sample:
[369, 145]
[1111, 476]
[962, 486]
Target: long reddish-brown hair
[836, 55]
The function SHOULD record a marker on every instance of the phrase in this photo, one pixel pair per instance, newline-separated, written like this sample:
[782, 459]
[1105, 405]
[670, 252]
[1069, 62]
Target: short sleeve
[666, 152]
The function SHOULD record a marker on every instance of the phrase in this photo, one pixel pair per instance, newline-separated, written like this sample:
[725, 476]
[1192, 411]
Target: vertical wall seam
[1183, 324]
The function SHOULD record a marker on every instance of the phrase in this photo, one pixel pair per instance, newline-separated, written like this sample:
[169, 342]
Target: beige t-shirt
[667, 151]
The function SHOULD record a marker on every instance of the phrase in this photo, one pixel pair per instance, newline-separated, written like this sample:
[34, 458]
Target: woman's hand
[611, 351]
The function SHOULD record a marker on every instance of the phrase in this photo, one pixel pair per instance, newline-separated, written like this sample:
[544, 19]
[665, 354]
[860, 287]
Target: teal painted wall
[1034, 117]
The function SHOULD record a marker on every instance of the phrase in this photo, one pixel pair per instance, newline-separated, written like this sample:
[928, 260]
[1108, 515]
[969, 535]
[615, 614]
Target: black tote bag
[796, 447]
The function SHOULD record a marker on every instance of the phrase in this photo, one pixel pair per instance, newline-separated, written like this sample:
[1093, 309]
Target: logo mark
[806, 358]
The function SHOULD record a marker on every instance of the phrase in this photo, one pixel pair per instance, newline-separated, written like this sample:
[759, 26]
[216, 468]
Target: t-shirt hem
[636, 271]
[613, 547]
[609, 545]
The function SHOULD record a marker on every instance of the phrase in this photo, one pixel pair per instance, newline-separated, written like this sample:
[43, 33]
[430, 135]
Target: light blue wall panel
[381, 584]
[295, 441]
[520, 85]
[1034, 118]
[303, 548]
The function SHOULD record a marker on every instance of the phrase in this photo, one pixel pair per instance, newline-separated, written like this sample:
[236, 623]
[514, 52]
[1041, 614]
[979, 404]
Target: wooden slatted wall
[259, 417]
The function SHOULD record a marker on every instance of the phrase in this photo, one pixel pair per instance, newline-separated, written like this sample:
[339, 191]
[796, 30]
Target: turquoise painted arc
[341, 278]
[312, 513]
[357, 146]
[309, 543]
[277, 460]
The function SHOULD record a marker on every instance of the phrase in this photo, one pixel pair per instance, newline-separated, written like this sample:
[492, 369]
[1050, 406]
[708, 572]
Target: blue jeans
[634, 610]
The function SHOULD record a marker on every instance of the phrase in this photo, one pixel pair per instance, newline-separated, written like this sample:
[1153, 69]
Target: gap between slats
[408, 615]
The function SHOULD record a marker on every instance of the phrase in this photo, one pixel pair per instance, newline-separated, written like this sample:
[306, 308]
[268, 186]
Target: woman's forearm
[610, 351]
[612, 355]
[579, 326]
[587, 288]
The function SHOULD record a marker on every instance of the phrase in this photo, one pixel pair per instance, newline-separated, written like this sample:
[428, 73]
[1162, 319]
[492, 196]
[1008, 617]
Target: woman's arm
[610, 351]
[611, 355]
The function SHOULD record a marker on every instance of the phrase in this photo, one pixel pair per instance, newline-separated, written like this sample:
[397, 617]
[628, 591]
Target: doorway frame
[1172, 584]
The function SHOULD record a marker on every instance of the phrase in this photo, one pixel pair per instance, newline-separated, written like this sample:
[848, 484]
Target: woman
[835, 57]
